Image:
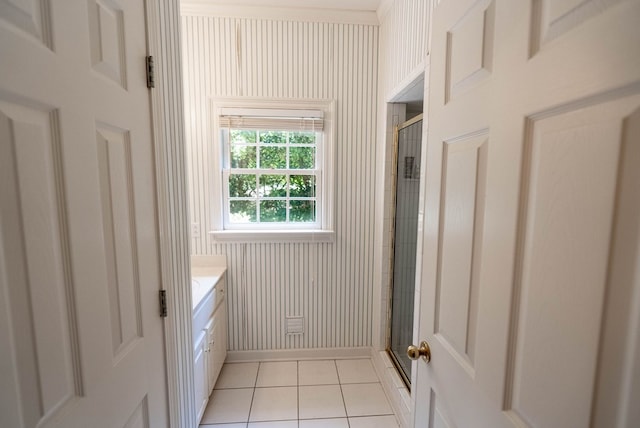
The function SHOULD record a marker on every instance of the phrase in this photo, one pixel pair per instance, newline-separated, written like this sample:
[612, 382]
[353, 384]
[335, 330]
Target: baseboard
[298, 354]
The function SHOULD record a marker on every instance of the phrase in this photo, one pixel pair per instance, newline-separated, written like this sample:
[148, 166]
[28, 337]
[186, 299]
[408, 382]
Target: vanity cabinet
[209, 336]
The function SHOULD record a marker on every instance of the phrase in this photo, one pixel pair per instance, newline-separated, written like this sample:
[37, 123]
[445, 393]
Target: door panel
[106, 33]
[621, 311]
[437, 418]
[469, 50]
[562, 268]
[30, 16]
[463, 177]
[531, 236]
[551, 19]
[37, 303]
[81, 341]
[140, 416]
[116, 191]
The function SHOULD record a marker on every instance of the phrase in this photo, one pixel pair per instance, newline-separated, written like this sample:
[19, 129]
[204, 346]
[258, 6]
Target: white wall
[330, 284]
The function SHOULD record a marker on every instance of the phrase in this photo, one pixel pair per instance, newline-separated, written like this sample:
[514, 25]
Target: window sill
[258, 236]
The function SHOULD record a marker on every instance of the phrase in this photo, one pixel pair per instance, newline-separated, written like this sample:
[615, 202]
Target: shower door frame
[392, 254]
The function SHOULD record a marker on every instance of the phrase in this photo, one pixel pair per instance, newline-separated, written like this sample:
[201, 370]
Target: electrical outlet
[195, 230]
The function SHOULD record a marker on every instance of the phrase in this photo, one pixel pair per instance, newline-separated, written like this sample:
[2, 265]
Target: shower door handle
[423, 351]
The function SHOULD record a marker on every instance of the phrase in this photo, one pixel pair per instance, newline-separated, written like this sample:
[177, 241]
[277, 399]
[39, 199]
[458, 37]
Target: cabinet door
[211, 343]
[220, 353]
[201, 369]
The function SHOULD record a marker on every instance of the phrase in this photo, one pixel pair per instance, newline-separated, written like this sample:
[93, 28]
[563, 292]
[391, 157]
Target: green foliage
[242, 211]
[273, 211]
[273, 137]
[241, 136]
[278, 150]
[302, 138]
[302, 186]
[273, 186]
[242, 185]
[273, 157]
[302, 157]
[243, 157]
[302, 211]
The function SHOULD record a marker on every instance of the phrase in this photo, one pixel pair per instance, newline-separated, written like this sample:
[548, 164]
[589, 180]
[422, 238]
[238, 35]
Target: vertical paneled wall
[403, 42]
[329, 284]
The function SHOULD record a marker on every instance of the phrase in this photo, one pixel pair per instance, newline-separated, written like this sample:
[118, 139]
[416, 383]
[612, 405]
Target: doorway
[408, 147]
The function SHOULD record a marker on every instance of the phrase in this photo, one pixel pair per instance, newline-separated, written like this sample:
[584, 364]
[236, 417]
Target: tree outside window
[272, 176]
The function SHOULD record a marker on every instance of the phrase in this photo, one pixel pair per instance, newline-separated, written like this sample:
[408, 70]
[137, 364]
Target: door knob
[423, 351]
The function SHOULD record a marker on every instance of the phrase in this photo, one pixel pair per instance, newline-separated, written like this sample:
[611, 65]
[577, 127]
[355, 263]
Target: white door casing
[80, 333]
[530, 291]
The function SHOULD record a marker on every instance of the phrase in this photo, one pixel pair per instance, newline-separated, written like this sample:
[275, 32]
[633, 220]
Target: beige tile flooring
[299, 394]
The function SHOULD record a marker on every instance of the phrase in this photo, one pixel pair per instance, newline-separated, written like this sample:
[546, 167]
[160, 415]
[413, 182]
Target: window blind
[272, 119]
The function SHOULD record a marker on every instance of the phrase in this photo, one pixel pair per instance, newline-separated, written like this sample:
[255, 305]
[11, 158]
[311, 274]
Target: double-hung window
[274, 172]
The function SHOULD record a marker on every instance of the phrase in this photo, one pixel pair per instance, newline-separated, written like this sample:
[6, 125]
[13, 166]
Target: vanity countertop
[203, 280]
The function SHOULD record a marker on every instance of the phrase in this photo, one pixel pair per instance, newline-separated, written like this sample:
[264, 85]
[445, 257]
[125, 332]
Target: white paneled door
[531, 266]
[80, 333]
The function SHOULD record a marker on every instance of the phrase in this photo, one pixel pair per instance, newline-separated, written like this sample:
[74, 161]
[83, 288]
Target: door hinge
[163, 303]
[151, 83]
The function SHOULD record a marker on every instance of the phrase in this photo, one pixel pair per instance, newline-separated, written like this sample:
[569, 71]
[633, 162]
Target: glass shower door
[405, 237]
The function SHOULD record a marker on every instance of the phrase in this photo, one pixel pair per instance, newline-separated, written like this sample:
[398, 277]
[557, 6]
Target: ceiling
[359, 5]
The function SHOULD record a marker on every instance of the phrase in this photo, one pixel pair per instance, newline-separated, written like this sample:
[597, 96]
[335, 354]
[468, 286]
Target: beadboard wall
[329, 284]
[404, 26]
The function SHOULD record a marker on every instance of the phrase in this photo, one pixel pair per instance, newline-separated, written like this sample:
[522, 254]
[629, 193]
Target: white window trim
[325, 232]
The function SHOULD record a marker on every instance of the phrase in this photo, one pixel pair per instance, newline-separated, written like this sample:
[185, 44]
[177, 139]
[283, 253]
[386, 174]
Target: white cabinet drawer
[205, 309]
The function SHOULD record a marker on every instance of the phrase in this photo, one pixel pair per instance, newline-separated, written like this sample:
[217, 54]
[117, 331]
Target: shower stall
[408, 144]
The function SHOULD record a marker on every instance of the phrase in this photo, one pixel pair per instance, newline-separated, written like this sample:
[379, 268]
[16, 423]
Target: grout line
[344, 403]
[359, 383]
[321, 384]
[298, 389]
[253, 395]
[237, 387]
[335, 363]
[276, 386]
[374, 415]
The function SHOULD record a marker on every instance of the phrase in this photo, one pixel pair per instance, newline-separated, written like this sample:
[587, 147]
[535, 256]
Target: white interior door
[80, 333]
[530, 295]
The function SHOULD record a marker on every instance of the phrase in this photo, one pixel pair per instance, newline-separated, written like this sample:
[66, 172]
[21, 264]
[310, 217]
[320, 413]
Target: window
[271, 178]
[275, 171]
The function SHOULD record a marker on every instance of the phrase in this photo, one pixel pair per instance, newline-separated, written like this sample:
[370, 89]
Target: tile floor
[299, 394]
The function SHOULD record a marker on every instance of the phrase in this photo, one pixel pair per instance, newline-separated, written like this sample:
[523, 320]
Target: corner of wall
[383, 9]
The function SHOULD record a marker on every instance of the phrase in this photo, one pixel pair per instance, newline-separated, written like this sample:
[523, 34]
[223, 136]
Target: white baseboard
[298, 354]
